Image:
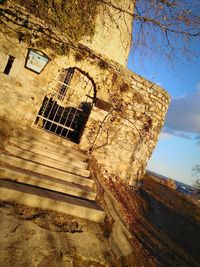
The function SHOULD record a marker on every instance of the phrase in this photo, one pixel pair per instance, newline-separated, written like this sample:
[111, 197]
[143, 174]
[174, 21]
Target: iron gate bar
[91, 97]
[54, 117]
[73, 118]
[71, 129]
[60, 118]
[67, 85]
[68, 76]
[66, 119]
[49, 112]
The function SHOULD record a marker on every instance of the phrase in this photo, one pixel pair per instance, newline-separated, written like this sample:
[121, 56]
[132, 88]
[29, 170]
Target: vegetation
[196, 174]
[169, 25]
[161, 26]
[74, 18]
[196, 170]
[67, 22]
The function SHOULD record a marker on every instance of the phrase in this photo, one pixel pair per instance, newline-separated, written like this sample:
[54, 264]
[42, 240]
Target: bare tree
[196, 169]
[163, 26]
[166, 27]
[196, 174]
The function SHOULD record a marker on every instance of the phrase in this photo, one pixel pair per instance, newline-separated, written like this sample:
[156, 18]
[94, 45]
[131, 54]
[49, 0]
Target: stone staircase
[40, 170]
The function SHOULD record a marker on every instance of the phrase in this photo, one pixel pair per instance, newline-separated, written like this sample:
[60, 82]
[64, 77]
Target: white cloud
[158, 83]
[165, 135]
[183, 118]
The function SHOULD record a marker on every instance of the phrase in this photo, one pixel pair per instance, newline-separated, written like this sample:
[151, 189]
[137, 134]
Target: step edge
[14, 169]
[51, 184]
[91, 214]
[85, 164]
[44, 167]
[14, 154]
[47, 141]
[18, 142]
[81, 183]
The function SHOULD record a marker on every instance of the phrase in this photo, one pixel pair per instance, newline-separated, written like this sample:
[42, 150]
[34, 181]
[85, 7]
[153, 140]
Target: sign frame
[36, 60]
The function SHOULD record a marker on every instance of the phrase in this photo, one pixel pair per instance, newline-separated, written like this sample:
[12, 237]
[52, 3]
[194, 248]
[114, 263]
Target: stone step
[36, 139]
[46, 182]
[67, 158]
[24, 154]
[49, 171]
[48, 200]
[32, 144]
[37, 132]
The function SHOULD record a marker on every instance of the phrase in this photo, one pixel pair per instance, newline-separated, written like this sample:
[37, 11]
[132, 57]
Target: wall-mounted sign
[101, 104]
[36, 60]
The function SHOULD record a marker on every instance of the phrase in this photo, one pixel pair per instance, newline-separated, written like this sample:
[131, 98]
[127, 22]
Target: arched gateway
[67, 105]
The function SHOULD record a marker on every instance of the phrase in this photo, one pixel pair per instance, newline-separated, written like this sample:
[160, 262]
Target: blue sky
[177, 151]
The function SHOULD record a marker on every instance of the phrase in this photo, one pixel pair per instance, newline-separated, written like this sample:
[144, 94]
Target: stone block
[3, 61]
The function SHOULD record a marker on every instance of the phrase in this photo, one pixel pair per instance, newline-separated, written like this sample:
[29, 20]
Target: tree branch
[154, 21]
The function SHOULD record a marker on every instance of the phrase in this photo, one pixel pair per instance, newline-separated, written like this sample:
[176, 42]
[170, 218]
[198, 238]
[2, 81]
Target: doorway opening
[66, 107]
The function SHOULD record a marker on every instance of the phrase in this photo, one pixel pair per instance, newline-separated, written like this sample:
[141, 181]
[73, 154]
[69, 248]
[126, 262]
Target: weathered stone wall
[121, 131]
[123, 138]
[104, 26]
[113, 18]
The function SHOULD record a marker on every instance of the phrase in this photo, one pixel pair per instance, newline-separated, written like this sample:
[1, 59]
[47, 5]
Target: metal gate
[67, 105]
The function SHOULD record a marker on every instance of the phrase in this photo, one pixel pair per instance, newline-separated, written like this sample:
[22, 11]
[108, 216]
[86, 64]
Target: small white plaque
[36, 61]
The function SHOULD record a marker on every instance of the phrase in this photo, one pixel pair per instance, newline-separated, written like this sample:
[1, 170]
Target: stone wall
[124, 138]
[104, 26]
[117, 30]
[127, 111]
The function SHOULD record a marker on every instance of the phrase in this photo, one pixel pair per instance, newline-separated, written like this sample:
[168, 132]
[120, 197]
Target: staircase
[40, 170]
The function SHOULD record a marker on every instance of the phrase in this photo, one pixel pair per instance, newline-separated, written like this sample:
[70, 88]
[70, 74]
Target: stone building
[84, 96]
[71, 117]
